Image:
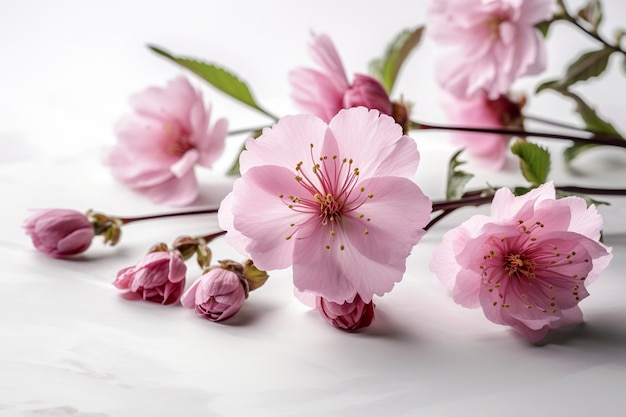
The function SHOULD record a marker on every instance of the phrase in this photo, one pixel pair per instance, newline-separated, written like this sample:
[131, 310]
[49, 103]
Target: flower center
[517, 264]
[330, 191]
[178, 138]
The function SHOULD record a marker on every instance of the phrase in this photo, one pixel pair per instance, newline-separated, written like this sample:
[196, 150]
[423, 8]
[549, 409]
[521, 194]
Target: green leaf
[457, 180]
[534, 161]
[234, 170]
[218, 77]
[570, 153]
[387, 68]
[592, 13]
[593, 122]
[588, 65]
[549, 85]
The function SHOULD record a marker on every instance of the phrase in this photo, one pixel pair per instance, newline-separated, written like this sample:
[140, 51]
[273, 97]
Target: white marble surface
[70, 346]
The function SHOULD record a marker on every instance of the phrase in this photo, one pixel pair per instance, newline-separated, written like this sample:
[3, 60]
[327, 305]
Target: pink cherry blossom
[60, 232]
[162, 141]
[158, 277]
[488, 44]
[216, 295]
[528, 264]
[347, 316]
[324, 92]
[336, 201]
[489, 149]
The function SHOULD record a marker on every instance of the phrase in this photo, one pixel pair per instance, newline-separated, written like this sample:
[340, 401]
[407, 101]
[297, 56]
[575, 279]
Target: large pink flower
[161, 142]
[335, 201]
[324, 92]
[527, 265]
[489, 44]
[490, 149]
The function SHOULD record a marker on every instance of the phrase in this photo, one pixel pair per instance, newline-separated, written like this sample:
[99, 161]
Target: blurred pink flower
[60, 232]
[158, 277]
[162, 141]
[335, 201]
[347, 316]
[324, 92]
[526, 265]
[216, 295]
[490, 44]
[480, 111]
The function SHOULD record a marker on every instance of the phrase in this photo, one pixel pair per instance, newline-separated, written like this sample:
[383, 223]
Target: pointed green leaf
[576, 149]
[218, 77]
[593, 121]
[534, 161]
[387, 68]
[457, 180]
[549, 85]
[588, 65]
[592, 13]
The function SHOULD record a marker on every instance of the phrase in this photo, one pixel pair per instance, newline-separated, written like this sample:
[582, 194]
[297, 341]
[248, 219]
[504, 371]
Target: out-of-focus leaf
[588, 200]
[588, 65]
[457, 180]
[387, 68]
[534, 161]
[218, 77]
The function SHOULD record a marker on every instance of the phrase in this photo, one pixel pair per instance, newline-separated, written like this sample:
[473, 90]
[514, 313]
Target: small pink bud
[158, 277]
[216, 295]
[60, 232]
[368, 92]
[347, 316]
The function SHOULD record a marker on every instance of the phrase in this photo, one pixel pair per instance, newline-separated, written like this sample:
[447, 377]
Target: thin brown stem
[126, 220]
[209, 238]
[595, 139]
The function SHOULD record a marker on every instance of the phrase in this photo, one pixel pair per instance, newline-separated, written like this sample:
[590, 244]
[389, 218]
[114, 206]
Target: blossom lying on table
[526, 265]
[349, 316]
[162, 141]
[336, 201]
[60, 232]
[158, 277]
[221, 291]
[324, 92]
[490, 43]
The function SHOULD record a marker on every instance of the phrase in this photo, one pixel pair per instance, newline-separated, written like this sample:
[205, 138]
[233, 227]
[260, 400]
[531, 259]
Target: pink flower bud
[347, 316]
[158, 277]
[60, 232]
[216, 295]
[368, 92]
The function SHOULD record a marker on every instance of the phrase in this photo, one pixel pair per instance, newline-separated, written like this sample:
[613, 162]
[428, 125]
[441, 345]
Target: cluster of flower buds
[160, 277]
[64, 232]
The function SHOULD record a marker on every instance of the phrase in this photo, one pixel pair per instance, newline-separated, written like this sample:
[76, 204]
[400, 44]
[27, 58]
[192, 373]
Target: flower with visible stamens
[336, 201]
[162, 141]
[527, 265]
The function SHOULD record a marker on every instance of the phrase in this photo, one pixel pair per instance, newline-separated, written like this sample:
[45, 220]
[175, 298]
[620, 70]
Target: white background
[71, 347]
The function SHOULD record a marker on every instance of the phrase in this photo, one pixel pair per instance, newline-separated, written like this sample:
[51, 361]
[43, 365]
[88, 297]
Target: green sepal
[457, 180]
[592, 13]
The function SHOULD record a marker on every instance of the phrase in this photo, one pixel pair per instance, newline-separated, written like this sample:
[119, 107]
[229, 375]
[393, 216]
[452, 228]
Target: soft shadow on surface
[604, 333]
[250, 313]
